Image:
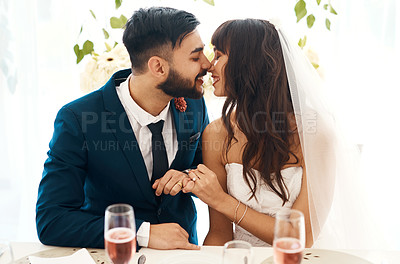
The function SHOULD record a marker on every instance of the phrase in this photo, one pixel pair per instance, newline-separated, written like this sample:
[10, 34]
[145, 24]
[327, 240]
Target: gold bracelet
[237, 207]
[245, 211]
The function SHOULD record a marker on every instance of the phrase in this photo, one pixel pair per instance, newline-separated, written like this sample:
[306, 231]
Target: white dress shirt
[139, 119]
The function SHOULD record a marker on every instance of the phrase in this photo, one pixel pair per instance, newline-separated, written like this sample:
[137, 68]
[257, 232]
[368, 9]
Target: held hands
[170, 183]
[169, 236]
[202, 181]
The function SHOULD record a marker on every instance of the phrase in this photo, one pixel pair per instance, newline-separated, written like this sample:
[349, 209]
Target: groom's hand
[204, 183]
[169, 236]
[170, 183]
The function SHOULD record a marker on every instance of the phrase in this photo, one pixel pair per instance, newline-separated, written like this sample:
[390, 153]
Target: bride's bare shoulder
[215, 130]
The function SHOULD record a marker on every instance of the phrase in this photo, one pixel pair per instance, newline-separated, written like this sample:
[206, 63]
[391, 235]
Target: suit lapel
[119, 125]
[183, 129]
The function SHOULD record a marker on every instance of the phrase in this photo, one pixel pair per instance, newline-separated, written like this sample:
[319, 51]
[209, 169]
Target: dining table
[207, 254]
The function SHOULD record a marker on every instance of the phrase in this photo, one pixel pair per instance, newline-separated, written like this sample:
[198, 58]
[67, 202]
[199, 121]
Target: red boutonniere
[180, 104]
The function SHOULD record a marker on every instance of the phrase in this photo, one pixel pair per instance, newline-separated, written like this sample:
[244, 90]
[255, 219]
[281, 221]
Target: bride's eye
[217, 55]
[215, 61]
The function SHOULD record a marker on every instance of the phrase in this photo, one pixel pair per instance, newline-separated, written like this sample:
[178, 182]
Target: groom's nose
[205, 63]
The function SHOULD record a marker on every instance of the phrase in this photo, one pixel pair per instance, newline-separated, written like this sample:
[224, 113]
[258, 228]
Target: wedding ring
[187, 172]
[195, 178]
[180, 184]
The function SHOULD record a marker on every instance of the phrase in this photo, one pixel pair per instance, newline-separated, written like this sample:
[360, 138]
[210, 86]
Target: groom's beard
[177, 86]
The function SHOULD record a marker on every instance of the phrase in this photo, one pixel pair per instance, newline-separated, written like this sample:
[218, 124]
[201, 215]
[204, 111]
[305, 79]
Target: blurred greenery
[302, 8]
[116, 23]
[302, 42]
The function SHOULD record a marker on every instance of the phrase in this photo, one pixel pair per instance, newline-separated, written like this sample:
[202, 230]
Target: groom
[109, 146]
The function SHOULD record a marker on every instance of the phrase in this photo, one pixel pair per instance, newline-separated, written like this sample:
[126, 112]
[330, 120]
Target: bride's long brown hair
[258, 99]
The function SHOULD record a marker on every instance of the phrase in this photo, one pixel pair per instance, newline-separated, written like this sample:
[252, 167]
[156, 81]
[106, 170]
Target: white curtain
[19, 116]
[38, 75]
[364, 78]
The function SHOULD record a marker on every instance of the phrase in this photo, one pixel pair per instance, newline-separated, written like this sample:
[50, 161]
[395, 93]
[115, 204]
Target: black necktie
[160, 159]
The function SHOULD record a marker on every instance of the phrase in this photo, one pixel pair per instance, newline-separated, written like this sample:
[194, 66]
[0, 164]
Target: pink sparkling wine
[288, 251]
[120, 244]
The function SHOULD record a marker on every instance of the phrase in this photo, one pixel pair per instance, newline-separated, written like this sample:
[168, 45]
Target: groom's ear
[158, 67]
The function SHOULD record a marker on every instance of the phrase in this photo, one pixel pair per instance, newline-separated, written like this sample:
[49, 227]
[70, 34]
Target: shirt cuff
[143, 234]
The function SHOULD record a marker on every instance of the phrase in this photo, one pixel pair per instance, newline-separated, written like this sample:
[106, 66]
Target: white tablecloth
[24, 249]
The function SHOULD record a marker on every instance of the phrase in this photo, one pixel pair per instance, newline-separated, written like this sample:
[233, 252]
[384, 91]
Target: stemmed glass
[289, 237]
[120, 233]
[237, 252]
[6, 255]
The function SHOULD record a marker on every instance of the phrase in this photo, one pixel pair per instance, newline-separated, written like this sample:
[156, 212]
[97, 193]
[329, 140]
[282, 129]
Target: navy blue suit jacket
[95, 161]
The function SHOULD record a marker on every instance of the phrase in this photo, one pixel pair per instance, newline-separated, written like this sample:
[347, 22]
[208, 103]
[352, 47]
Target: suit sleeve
[198, 158]
[60, 220]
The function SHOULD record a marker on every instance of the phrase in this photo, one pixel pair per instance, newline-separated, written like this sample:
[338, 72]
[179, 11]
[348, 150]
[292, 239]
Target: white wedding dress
[268, 202]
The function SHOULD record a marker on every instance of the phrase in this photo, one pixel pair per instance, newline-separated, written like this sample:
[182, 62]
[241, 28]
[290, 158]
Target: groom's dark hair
[156, 31]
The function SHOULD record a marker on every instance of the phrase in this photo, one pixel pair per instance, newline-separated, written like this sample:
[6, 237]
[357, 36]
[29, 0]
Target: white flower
[207, 80]
[314, 59]
[101, 67]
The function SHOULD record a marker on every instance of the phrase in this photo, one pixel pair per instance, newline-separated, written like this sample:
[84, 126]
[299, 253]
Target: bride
[253, 161]
[276, 144]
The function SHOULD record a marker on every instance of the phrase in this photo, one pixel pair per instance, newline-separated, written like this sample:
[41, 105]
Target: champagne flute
[6, 254]
[237, 252]
[120, 233]
[289, 237]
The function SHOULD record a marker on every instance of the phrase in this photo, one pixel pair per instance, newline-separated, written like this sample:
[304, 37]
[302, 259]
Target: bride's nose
[211, 68]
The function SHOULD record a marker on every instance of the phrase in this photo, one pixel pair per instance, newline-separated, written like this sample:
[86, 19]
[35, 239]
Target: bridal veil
[340, 215]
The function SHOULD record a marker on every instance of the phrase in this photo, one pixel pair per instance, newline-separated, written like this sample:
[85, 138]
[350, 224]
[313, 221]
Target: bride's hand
[204, 183]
